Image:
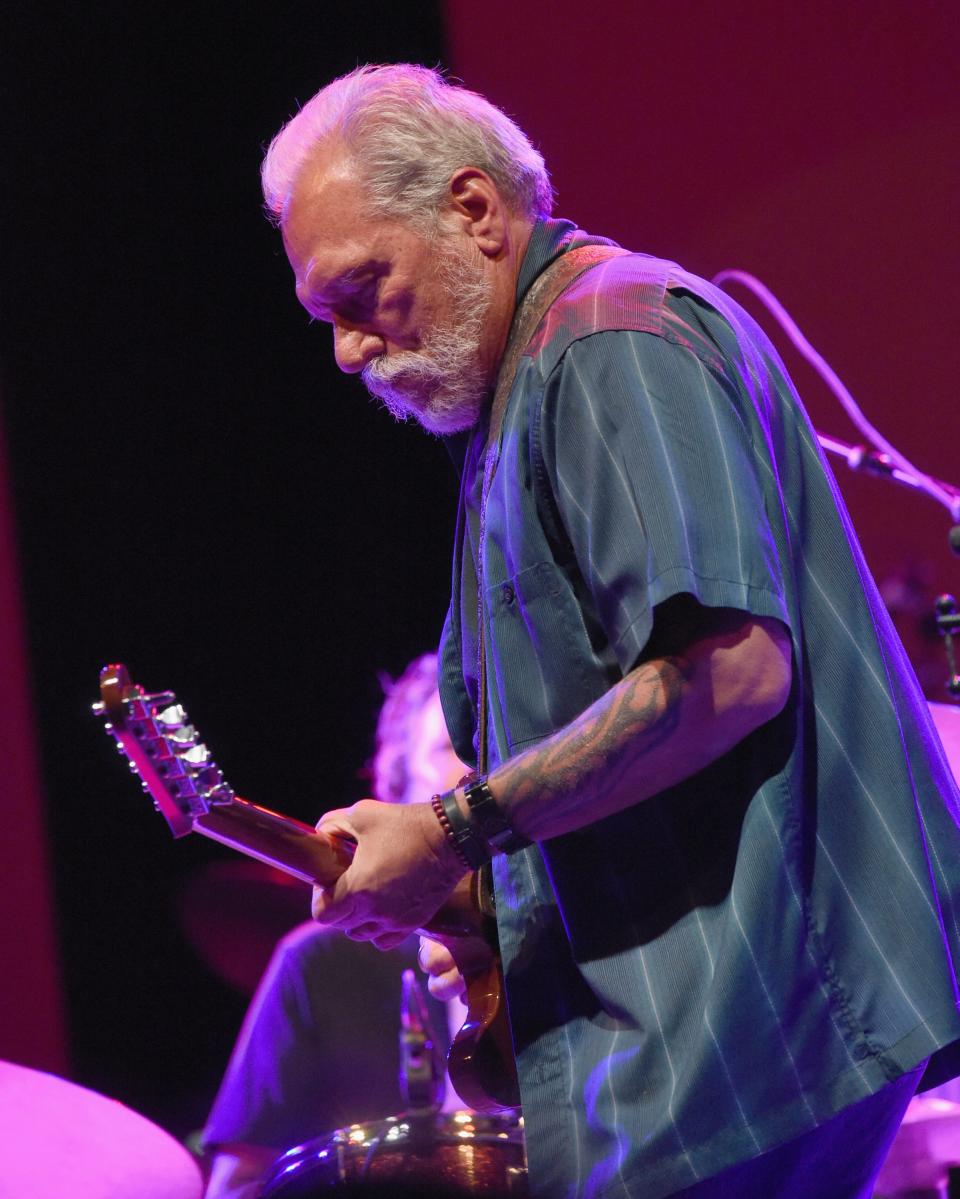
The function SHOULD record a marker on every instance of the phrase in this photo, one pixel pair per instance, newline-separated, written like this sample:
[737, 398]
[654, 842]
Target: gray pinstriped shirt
[728, 964]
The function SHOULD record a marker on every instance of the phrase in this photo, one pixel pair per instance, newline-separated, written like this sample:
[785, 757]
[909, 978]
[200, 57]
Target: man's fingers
[337, 823]
[364, 932]
[319, 903]
[449, 985]
[398, 875]
[390, 940]
[434, 958]
[444, 978]
[329, 908]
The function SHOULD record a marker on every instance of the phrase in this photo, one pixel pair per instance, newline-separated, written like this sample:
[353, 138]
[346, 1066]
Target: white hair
[407, 131]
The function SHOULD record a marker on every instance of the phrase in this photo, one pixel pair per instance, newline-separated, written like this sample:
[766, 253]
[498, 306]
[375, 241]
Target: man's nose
[354, 348]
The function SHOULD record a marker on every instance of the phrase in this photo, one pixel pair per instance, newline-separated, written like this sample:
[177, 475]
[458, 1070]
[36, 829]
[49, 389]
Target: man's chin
[438, 414]
[442, 422]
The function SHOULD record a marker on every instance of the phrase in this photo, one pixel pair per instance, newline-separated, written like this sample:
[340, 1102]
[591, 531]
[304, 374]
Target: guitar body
[188, 789]
[480, 1061]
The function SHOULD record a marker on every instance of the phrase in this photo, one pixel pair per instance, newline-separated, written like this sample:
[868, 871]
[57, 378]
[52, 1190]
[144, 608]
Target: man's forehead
[324, 165]
[323, 213]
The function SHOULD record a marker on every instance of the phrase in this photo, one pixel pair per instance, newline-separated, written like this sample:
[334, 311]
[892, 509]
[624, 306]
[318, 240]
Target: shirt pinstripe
[730, 963]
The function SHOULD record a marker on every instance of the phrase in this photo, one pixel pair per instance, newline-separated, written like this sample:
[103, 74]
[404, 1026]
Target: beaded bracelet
[470, 848]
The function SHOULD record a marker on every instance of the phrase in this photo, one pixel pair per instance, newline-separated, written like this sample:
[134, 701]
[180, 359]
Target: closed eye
[354, 302]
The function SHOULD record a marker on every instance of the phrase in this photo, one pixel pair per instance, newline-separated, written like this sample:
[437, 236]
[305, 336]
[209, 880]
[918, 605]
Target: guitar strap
[551, 282]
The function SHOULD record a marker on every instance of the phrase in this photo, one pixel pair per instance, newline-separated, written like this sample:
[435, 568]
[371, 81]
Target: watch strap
[488, 819]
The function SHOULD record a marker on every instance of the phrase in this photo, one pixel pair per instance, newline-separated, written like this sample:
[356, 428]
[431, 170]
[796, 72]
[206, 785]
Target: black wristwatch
[487, 819]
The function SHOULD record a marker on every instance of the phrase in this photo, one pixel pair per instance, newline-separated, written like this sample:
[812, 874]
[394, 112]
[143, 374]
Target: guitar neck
[300, 850]
[188, 789]
[280, 841]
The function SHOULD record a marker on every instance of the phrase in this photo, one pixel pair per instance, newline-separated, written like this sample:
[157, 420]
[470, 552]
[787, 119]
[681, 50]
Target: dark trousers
[838, 1160]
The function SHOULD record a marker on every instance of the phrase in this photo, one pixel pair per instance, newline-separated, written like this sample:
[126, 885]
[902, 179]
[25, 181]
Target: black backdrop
[199, 492]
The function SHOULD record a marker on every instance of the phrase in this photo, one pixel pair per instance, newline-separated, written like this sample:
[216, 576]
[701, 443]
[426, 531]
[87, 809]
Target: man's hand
[444, 980]
[403, 869]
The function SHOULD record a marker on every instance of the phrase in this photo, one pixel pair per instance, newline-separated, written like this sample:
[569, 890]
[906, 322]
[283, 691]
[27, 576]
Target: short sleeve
[662, 482]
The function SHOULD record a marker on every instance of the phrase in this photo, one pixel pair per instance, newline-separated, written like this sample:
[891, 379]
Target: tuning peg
[185, 736]
[172, 717]
[197, 755]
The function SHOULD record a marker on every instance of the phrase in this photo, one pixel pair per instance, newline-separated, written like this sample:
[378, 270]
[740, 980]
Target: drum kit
[104, 1150]
[62, 1140]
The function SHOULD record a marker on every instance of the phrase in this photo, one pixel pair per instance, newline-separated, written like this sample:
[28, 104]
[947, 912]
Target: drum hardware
[456, 1153]
[888, 463]
[423, 1151]
[948, 624]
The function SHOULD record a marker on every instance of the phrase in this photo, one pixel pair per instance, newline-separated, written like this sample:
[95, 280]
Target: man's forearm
[666, 720]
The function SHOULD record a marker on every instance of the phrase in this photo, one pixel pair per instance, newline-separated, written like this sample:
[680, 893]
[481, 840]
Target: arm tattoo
[583, 764]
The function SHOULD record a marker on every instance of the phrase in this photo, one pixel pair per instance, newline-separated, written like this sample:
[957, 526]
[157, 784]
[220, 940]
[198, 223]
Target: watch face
[490, 821]
[484, 808]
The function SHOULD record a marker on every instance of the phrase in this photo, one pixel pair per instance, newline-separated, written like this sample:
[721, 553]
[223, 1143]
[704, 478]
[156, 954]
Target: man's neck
[505, 296]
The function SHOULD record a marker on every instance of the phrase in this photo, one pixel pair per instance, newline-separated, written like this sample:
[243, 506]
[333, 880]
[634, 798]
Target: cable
[948, 496]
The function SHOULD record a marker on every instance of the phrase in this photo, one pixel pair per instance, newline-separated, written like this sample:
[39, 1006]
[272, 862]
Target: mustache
[410, 371]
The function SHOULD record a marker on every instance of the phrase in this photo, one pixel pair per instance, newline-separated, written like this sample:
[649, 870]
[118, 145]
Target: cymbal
[233, 912]
[59, 1139]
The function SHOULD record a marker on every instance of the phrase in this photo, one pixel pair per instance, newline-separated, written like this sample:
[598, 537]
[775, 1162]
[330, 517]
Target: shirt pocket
[542, 667]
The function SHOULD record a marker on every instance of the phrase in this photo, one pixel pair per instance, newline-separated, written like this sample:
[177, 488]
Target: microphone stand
[421, 1064]
[873, 462]
[860, 458]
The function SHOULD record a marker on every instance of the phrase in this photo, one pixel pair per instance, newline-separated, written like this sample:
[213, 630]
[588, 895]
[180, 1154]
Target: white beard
[443, 384]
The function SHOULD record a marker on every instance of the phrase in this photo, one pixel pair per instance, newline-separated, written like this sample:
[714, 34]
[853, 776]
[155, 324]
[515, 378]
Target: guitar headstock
[154, 733]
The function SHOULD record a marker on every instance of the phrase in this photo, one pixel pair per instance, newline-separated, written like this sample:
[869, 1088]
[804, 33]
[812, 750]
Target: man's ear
[476, 205]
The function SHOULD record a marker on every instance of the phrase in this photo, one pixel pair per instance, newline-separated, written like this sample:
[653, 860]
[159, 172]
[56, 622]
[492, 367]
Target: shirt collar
[549, 239]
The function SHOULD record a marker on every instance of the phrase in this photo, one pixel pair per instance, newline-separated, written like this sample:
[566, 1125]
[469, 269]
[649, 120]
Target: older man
[723, 839]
